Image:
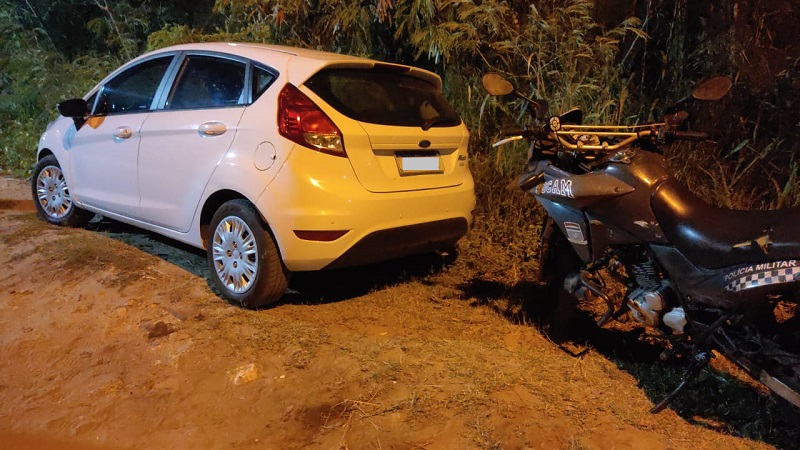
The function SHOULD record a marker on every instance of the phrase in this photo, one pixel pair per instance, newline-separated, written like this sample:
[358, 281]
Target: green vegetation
[618, 69]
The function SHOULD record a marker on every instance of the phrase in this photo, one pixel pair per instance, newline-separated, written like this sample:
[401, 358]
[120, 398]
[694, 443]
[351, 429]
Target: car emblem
[424, 143]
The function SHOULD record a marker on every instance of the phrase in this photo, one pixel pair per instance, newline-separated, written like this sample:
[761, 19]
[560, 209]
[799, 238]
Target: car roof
[247, 48]
[307, 60]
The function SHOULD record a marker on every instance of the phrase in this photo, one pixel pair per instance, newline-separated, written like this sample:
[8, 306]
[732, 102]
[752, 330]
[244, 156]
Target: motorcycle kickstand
[698, 363]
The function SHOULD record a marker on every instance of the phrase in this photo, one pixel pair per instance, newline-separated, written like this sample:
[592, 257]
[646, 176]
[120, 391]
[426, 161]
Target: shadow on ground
[335, 285]
[716, 399]
[318, 287]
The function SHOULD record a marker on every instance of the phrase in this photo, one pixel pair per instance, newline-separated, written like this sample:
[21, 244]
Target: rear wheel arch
[211, 205]
[214, 202]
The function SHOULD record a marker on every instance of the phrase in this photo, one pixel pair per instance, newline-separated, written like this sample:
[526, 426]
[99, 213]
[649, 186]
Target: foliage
[182, 34]
[29, 71]
[616, 72]
[553, 49]
[38, 68]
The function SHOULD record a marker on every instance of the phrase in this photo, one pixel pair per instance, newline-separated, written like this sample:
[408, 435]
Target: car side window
[262, 80]
[207, 82]
[132, 90]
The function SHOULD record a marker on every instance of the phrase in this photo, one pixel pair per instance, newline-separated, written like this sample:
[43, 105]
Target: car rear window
[384, 97]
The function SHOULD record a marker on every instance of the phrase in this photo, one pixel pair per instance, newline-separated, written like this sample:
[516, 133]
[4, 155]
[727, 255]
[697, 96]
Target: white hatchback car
[274, 159]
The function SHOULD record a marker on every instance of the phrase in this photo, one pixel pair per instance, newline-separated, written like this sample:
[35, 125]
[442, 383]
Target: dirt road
[111, 338]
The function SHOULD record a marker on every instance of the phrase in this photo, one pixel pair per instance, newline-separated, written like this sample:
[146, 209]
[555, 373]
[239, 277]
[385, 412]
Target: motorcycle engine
[653, 297]
[648, 305]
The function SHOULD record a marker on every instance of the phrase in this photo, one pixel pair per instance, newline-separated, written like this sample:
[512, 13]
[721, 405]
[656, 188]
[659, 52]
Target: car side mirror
[76, 108]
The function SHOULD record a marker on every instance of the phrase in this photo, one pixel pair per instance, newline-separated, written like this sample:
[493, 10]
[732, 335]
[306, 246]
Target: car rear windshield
[384, 96]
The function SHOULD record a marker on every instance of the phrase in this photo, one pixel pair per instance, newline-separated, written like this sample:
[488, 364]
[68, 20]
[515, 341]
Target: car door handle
[212, 128]
[123, 132]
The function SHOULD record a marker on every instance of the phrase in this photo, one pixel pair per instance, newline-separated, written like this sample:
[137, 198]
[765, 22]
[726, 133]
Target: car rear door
[183, 143]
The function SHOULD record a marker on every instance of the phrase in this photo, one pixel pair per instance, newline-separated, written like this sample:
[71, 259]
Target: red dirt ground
[111, 338]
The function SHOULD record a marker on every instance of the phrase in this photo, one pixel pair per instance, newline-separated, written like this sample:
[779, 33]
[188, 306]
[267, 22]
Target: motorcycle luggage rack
[626, 134]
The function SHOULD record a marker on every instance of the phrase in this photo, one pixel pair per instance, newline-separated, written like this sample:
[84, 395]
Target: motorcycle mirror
[495, 84]
[712, 89]
[573, 117]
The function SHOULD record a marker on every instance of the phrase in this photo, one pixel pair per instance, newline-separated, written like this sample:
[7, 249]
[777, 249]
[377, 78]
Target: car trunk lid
[399, 132]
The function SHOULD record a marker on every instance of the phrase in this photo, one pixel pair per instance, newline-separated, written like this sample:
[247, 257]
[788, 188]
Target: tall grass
[34, 77]
[549, 49]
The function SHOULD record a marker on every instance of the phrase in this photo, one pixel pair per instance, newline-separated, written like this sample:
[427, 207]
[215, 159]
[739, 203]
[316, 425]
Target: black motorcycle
[698, 277]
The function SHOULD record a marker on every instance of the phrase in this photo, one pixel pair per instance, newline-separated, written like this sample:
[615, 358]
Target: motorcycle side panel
[730, 286]
[630, 219]
[771, 278]
[573, 224]
[702, 285]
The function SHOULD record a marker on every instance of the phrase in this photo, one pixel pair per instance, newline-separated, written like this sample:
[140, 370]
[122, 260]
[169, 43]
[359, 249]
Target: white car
[274, 159]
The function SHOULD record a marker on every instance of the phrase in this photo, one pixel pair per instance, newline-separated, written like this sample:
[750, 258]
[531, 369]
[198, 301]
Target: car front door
[104, 151]
[183, 143]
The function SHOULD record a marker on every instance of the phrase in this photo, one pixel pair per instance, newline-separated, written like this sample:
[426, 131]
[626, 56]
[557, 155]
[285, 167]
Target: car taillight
[301, 121]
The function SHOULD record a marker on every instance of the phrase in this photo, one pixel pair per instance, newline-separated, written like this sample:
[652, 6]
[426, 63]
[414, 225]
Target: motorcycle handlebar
[690, 135]
[515, 132]
[610, 138]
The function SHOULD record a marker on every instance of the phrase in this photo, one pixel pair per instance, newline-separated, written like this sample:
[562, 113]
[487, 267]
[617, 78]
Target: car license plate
[419, 164]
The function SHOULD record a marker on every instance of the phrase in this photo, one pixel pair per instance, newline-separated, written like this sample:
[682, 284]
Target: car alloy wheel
[245, 263]
[52, 193]
[52, 197]
[235, 254]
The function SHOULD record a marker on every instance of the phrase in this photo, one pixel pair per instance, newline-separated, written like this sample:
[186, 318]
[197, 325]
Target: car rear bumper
[317, 192]
[403, 241]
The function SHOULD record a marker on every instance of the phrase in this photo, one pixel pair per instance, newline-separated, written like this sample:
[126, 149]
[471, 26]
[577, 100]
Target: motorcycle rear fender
[573, 224]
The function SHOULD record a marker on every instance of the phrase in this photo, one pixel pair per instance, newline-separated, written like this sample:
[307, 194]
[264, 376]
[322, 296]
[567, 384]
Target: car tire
[245, 263]
[52, 198]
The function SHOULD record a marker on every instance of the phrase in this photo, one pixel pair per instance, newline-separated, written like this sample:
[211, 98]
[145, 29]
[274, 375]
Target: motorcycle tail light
[302, 121]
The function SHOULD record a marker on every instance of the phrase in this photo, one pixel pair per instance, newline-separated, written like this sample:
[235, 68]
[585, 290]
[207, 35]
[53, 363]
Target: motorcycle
[698, 278]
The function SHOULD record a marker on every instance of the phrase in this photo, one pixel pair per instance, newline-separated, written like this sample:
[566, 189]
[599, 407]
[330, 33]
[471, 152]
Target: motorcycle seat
[712, 237]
